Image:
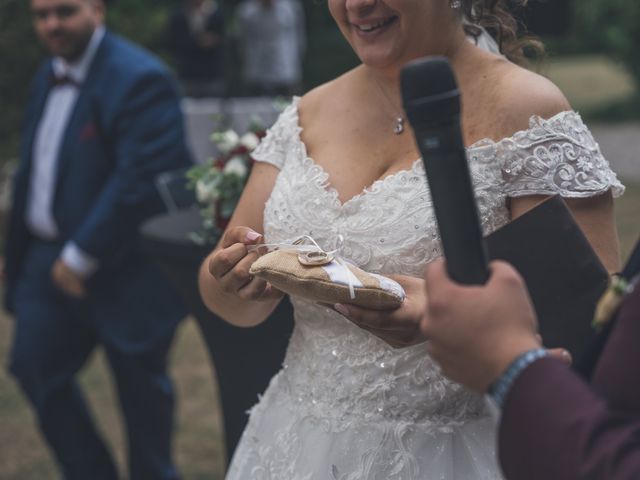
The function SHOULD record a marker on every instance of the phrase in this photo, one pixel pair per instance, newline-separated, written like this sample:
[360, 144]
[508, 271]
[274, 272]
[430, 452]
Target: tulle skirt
[283, 442]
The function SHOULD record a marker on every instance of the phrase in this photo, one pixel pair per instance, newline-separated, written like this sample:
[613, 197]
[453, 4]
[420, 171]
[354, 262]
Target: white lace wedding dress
[346, 406]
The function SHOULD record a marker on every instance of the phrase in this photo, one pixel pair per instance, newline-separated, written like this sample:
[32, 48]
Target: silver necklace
[398, 128]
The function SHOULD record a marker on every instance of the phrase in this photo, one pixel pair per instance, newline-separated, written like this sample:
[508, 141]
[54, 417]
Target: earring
[455, 4]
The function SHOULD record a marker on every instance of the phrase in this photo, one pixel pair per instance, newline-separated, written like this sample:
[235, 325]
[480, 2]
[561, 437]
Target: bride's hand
[230, 266]
[399, 327]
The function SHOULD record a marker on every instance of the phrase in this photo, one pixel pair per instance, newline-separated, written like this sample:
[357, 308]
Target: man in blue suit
[102, 122]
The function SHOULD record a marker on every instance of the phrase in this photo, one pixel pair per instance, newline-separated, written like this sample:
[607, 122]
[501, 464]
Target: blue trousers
[54, 336]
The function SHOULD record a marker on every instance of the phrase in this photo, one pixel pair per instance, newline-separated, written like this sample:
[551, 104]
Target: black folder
[564, 275]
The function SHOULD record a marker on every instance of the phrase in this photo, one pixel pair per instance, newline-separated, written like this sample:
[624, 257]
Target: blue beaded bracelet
[500, 388]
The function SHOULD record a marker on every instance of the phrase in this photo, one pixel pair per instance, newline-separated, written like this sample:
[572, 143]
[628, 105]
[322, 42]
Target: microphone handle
[445, 162]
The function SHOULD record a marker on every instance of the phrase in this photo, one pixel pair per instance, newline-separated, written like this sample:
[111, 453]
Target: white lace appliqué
[555, 156]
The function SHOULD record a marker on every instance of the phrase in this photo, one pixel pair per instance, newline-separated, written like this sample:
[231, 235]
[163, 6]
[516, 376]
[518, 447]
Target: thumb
[561, 354]
[245, 235]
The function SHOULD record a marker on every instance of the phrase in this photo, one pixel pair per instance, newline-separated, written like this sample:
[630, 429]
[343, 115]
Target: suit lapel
[83, 104]
[35, 115]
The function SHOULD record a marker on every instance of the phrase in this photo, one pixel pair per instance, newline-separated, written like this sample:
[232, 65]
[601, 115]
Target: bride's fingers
[272, 292]
[225, 260]
[383, 325]
[258, 289]
[379, 319]
[238, 277]
[253, 289]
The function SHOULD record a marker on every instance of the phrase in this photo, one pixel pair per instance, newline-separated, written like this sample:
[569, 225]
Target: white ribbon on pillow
[310, 253]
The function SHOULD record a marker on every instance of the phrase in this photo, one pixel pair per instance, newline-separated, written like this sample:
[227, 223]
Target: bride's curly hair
[496, 17]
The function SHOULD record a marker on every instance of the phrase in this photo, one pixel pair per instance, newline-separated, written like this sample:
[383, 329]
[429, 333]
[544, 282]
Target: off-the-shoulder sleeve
[558, 156]
[275, 146]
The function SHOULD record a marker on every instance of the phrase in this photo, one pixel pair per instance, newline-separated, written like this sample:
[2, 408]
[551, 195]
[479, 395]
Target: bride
[357, 397]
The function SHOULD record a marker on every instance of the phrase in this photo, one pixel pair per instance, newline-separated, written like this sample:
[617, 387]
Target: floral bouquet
[218, 184]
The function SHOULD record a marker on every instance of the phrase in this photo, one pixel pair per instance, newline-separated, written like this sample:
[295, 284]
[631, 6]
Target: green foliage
[19, 56]
[611, 26]
[328, 53]
[142, 21]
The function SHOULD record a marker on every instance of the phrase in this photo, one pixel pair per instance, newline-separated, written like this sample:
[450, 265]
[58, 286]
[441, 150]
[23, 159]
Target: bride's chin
[384, 65]
[379, 60]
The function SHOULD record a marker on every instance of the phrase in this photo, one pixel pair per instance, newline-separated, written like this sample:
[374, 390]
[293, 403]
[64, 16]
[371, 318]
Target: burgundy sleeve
[554, 427]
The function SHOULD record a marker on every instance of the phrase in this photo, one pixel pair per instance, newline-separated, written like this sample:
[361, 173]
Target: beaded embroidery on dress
[346, 406]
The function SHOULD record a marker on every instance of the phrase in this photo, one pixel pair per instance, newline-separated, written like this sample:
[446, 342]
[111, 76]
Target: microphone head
[427, 77]
[429, 91]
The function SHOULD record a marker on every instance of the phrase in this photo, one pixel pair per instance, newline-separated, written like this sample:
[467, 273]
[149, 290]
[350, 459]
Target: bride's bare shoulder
[326, 98]
[517, 94]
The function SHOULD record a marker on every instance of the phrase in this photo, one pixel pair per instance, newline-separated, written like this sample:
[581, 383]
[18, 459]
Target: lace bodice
[337, 371]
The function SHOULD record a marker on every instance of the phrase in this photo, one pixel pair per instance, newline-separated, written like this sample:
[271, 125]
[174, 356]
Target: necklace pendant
[399, 128]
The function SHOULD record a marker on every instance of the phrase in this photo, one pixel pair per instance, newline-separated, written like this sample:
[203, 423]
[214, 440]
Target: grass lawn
[198, 444]
[589, 81]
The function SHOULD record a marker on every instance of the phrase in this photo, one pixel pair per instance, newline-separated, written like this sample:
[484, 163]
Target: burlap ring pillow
[327, 282]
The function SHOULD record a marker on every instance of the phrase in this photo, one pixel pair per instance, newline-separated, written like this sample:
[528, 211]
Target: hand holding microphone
[475, 333]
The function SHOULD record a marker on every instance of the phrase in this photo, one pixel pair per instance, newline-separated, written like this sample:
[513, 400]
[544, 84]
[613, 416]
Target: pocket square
[88, 132]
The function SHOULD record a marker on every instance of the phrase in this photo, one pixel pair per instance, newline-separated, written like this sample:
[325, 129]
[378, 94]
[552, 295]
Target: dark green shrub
[611, 26]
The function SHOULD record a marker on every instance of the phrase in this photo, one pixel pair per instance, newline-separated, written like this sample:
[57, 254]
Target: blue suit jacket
[125, 129]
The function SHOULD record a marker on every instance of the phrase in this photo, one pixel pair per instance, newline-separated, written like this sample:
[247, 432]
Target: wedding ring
[314, 258]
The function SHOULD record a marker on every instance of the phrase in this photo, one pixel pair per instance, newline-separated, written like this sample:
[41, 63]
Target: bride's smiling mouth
[373, 27]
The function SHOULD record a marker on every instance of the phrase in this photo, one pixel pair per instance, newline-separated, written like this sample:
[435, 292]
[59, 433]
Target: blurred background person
[103, 120]
[272, 42]
[196, 40]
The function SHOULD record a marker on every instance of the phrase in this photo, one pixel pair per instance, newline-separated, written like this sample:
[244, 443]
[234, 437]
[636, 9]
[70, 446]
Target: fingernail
[341, 309]
[251, 235]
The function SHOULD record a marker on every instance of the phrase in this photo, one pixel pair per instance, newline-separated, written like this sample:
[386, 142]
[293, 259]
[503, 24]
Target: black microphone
[432, 102]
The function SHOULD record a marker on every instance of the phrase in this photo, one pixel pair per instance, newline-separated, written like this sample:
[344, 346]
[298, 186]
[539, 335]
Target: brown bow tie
[60, 80]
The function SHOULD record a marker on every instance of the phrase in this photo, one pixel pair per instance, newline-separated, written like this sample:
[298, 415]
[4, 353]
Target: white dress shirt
[46, 150]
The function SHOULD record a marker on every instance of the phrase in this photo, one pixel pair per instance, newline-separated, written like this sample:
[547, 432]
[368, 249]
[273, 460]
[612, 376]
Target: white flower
[226, 141]
[249, 140]
[206, 192]
[236, 165]
[585, 164]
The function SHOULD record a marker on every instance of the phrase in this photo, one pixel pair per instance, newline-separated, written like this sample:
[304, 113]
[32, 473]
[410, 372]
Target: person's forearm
[554, 427]
[238, 312]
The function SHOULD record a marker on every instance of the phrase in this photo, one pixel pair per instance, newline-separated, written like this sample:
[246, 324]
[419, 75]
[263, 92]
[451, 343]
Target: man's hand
[67, 280]
[474, 333]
